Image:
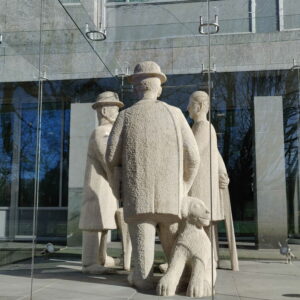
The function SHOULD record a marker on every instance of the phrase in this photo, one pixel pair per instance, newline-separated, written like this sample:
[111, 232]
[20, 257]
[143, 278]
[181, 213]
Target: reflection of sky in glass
[28, 140]
[51, 147]
[50, 138]
[232, 116]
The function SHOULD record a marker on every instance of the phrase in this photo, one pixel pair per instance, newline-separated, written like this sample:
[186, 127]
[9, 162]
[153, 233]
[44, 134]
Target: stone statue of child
[212, 171]
[99, 204]
[154, 146]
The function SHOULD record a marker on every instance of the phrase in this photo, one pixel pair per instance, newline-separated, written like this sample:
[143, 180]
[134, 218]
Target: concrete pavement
[59, 278]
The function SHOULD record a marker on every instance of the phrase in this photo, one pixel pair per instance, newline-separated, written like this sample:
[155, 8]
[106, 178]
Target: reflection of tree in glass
[232, 115]
[27, 154]
[6, 154]
[232, 99]
[291, 109]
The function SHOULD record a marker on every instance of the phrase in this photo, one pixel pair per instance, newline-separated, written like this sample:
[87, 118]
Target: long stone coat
[201, 186]
[99, 204]
[157, 151]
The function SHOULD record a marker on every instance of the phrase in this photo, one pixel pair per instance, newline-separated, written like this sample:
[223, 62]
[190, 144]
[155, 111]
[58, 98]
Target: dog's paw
[166, 287]
[196, 289]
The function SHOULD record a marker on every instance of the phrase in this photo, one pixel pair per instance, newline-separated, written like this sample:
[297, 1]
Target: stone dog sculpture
[192, 247]
[155, 148]
[99, 204]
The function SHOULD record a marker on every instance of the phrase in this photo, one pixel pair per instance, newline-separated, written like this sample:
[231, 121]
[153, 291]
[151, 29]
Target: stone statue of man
[154, 146]
[211, 182]
[99, 204]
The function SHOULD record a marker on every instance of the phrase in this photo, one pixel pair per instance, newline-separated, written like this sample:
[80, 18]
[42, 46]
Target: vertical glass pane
[244, 54]
[75, 70]
[255, 110]
[19, 97]
[291, 123]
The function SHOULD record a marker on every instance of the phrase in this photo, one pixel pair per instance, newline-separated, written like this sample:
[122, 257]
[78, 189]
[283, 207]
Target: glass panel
[247, 60]
[19, 98]
[66, 59]
[291, 123]
[267, 16]
[255, 110]
[291, 12]
[75, 70]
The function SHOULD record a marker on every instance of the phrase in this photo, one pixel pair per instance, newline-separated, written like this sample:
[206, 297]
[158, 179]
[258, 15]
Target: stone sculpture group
[170, 177]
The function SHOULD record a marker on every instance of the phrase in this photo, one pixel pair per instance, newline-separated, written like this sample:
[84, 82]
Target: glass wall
[244, 54]
[20, 93]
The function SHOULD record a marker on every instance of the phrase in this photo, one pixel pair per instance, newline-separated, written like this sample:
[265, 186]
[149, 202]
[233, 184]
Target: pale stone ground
[60, 278]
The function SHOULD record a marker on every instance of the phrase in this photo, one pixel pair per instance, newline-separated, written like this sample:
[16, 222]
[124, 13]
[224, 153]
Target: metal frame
[280, 15]
[252, 12]
[206, 70]
[99, 33]
[214, 24]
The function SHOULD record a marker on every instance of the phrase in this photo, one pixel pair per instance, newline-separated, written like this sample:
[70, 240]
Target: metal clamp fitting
[215, 25]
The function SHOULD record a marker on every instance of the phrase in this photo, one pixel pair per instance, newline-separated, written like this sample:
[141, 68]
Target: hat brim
[115, 103]
[161, 76]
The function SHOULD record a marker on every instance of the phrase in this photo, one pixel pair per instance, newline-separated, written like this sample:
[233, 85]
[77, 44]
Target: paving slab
[62, 279]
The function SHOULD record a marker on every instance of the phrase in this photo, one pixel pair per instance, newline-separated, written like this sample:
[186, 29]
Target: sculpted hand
[116, 185]
[223, 181]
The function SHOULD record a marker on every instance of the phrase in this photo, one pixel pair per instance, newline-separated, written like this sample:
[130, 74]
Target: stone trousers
[142, 236]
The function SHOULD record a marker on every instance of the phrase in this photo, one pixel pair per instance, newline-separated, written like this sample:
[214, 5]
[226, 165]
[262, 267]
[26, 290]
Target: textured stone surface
[211, 182]
[74, 237]
[225, 199]
[270, 171]
[99, 203]
[169, 37]
[206, 184]
[192, 247]
[82, 123]
[126, 242]
[158, 155]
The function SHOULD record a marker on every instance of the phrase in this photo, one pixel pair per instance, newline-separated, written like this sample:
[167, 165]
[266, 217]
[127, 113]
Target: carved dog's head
[195, 212]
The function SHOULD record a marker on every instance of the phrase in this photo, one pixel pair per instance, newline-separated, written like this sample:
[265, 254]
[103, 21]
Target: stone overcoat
[201, 186]
[99, 203]
[159, 158]
[224, 193]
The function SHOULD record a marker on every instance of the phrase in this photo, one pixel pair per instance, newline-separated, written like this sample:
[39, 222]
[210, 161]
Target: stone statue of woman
[211, 183]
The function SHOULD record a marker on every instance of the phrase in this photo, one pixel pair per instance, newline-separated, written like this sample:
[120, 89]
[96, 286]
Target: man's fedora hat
[147, 69]
[107, 98]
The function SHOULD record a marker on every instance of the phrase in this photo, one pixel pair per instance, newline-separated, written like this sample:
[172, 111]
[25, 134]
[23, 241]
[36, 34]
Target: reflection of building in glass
[253, 54]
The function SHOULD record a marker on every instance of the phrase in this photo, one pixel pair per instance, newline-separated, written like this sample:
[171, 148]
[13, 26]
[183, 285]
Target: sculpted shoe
[130, 277]
[144, 285]
[93, 269]
[163, 267]
[109, 262]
